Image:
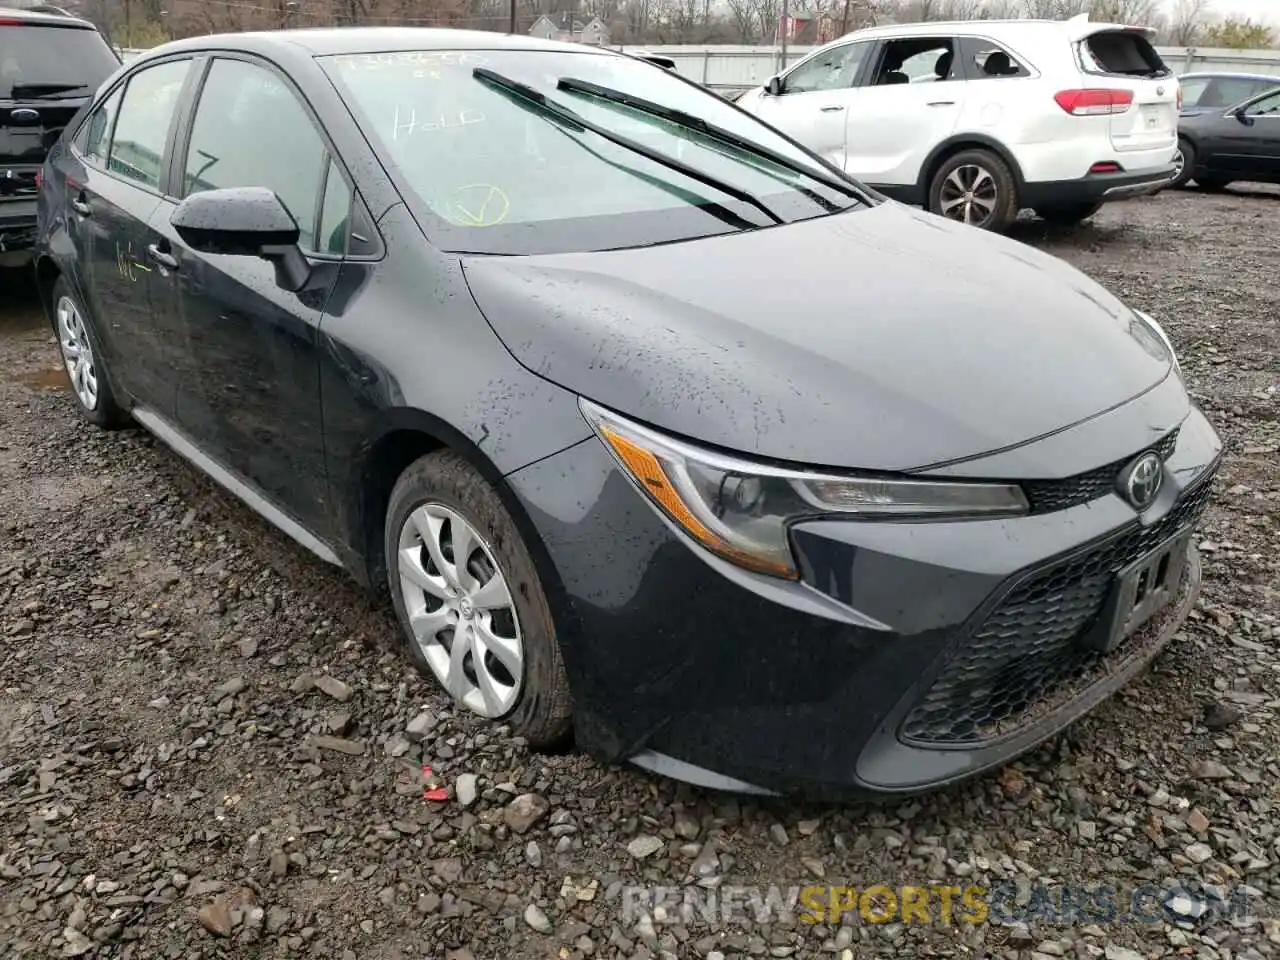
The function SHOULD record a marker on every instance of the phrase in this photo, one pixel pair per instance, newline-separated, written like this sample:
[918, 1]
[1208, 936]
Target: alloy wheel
[969, 194]
[77, 353]
[1179, 162]
[460, 610]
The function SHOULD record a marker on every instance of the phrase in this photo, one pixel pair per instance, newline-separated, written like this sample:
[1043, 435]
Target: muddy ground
[167, 791]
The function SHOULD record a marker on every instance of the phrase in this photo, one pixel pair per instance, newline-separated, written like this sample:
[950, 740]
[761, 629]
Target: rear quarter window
[73, 59]
[1123, 53]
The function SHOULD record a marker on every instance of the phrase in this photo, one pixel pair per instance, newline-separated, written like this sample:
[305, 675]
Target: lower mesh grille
[1024, 661]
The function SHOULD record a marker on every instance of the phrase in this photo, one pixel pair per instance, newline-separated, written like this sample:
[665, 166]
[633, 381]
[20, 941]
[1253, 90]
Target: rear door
[1122, 58]
[114, 183]
[47, 71]
[818, 95]
[912, 99]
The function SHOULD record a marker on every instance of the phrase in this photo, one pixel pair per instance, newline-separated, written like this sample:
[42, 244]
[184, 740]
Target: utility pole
[512, 28]
[128, 34]
[844, 21]
[786, 29]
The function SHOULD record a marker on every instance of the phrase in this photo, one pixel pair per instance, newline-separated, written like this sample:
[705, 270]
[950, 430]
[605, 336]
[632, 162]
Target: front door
[818, 96]
[248, 384]
[911, 102]
[1248, 146]
[114, 185]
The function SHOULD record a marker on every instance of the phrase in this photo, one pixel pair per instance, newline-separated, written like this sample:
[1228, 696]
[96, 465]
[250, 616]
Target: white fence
[739, 68]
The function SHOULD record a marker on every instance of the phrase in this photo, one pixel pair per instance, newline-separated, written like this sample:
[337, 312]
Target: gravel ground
[209, 747]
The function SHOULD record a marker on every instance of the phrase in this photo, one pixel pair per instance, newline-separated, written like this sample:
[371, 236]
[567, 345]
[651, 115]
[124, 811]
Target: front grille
[1045, 496]
[1024, 661]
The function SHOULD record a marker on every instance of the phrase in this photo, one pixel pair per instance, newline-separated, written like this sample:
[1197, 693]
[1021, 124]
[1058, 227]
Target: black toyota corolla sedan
[659, 431]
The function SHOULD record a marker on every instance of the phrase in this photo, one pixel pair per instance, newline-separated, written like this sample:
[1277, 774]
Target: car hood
[882, 338]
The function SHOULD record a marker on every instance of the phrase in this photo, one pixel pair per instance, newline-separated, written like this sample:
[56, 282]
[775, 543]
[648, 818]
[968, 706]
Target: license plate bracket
[1139, 592]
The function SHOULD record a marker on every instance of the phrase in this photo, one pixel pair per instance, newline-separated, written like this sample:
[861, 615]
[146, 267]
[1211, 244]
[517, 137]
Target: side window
[985, 60]
[94, 138]
[1262, 86]
[143, 121]
[1193, 90]
[1226, 92]
[335, 213]
[250, 130]
[917, 60]
[830, 70]
[1266, 107]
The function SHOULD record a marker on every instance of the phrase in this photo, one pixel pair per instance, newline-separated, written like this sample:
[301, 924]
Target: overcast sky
[1268, 10]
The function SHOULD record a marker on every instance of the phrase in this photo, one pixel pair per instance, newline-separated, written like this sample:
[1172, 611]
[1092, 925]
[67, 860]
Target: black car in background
[657, 429]
[1228, 129]
[50, 64]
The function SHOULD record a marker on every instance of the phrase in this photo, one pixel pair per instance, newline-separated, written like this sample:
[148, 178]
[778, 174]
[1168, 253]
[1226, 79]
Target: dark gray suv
[50, 65]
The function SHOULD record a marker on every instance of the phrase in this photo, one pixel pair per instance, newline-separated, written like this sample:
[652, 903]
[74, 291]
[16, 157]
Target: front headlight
[741, 510]
[1158, 330]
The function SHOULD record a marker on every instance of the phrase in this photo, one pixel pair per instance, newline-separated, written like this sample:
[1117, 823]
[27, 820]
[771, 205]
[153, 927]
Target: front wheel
[1213, 184]
[1069, 214]
[472, 610]
[977, 188]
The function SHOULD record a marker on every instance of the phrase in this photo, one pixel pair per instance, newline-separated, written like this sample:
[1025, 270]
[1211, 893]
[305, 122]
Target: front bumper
[912, 655]
[1096, 188]
[17, 225]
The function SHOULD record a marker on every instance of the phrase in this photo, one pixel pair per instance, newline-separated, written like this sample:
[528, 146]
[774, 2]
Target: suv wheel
[472, 611]
[975, 187]
[1069, 214]
[1184, 162]
[82, 356]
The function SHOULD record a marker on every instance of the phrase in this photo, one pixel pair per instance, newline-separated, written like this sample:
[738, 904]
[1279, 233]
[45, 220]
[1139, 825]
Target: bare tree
[1002, 9]
[1143, 12]
[1053, 9]
[1188, 21]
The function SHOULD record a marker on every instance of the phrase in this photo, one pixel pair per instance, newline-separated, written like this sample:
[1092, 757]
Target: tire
[82, 356]
[1186, 156]
[1067, 215]
[1213, 184]
[1003, 197]
[437, 496]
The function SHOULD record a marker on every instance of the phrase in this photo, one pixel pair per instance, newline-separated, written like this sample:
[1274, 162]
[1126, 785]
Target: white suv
[980, 119]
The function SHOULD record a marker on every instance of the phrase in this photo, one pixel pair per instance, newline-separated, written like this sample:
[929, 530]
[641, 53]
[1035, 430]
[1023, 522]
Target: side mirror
[1243, 117]
[774, 87]
[245, 222]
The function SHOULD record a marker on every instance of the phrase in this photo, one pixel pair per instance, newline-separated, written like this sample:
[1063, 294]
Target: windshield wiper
[574, 121]
[45, 89]
[689, 121]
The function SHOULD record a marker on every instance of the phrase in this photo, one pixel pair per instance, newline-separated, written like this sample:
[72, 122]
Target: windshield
[498, 173]
[53, 60]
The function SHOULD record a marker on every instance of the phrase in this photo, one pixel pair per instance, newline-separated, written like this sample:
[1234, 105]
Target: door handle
[834, 108]
[162, 257]
[81, 207]
[941, 103]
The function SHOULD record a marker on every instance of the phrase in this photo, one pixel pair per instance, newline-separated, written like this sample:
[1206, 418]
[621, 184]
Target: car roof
[41, 17]
[930, 28]
[329, 41]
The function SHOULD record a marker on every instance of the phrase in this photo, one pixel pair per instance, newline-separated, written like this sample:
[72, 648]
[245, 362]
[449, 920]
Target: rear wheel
[472, 610]
[1184, 163]
[82, 356]
[977, 188]
[1068, 214]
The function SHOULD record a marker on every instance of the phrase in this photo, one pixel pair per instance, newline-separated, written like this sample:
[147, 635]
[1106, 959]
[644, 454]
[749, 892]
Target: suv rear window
[1123, 52]
[52, 61]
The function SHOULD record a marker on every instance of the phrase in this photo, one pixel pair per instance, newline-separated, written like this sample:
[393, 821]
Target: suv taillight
[1179, 98]
[39, 179]
[1093, 103]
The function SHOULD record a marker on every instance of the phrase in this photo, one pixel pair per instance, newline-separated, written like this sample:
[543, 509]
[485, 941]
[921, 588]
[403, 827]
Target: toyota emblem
[1140, 481]
[1159, 91]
